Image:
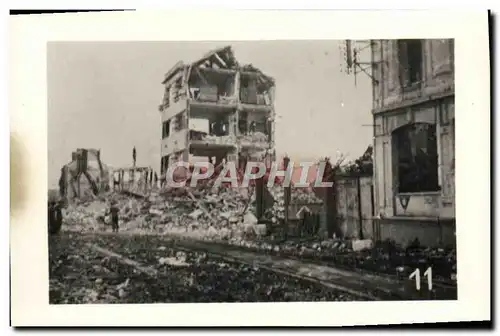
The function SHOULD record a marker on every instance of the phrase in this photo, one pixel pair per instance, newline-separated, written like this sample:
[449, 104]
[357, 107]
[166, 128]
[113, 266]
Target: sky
[105, 95]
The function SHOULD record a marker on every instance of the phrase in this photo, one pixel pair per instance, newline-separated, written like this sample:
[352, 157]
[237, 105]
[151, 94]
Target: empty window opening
[177, 90]
[255, 129]
[251, 125]
[164, 164]
[252, 91]
[243, 122]
[166, 129]
[211, 86]
[248, 94]
[269, 128]
[180, 122]
[410, 56]
[166, 97]
[416, 158]
[219, 127]
[209, 128]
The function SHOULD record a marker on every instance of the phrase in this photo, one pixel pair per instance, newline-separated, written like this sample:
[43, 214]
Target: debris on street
[79, 274]
[217, 215]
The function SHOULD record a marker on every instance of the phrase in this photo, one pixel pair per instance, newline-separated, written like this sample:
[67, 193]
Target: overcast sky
[106, 95]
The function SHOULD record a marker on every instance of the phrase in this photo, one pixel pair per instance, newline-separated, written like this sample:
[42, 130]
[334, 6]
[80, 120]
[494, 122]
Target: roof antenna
[353, 64]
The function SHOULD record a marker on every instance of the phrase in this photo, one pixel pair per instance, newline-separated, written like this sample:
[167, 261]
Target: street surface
[130, 268]
[119, 268]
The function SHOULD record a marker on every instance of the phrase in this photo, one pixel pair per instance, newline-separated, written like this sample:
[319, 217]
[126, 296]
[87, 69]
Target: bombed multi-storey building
[216, 109]
[414, 139]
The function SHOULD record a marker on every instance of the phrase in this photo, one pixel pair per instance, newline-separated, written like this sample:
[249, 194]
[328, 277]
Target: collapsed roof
[223, 59]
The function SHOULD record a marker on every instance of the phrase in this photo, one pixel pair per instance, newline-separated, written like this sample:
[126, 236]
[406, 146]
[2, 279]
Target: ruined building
[414, 134]
[85, 176]
[215, 109]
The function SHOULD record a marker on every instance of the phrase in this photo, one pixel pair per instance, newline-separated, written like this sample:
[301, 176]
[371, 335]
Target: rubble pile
[224, 214]
[297, 194]
[227, 216]
[202, 213]
[211, 214]
[302, 196]
[85, 215]
[276, 213]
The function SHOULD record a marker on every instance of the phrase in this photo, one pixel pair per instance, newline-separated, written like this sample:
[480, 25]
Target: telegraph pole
[134, 155]
[286, 161]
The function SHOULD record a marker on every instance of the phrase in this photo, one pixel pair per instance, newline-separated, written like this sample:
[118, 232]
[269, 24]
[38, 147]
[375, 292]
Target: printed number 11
[416, 275]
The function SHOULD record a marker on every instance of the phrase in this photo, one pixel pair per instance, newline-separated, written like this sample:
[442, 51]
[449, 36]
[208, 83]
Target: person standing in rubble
[113, 211]
[253, 127]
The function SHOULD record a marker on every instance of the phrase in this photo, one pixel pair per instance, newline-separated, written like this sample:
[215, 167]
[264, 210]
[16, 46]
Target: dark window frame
[164, 164]
[165, 133]
[416, 158]
[411, 62]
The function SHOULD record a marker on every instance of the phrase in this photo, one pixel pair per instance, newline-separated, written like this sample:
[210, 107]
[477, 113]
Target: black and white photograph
[239, 171]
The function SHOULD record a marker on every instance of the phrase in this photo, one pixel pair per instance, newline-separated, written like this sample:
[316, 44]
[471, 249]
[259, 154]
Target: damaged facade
[85, 176]
[216, 109]
[414, 139]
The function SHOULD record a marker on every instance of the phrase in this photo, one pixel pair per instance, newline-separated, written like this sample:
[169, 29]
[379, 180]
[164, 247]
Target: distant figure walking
[134, 155]
[113, 210]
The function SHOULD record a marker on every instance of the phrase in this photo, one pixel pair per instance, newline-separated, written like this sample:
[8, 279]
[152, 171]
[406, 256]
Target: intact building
[216, 109]
[414, 139]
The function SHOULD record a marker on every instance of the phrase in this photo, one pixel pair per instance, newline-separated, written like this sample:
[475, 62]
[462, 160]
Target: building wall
[429, 233]
[351, 205]
[173, 109]
[389, 201]
[177, 141]
[437, 77]
[395, 105]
